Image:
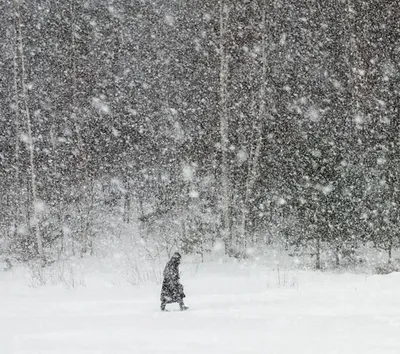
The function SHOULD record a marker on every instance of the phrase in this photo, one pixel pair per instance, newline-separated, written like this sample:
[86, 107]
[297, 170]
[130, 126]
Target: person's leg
[182, 305]
[163, 303]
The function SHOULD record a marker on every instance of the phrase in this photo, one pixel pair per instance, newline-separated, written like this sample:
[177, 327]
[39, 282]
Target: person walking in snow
[172, 289]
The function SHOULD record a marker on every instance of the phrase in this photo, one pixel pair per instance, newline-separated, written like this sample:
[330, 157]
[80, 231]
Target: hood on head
[176, 257]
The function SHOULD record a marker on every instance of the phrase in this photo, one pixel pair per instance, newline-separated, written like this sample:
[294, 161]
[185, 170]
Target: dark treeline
[237, 119]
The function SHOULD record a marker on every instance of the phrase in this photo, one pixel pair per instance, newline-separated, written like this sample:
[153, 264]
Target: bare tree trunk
[337, 255]
[224, 126]
[86, 236]
[390, 249]
[74, 117]
[31, 145]
[17, 129]
[354, 82]
[127, 200]
[257, 127]
[74, 79]
[86, 185]
[318, 253]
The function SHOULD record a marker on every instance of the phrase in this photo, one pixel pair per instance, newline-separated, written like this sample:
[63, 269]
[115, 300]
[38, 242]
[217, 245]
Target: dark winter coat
[172, 289]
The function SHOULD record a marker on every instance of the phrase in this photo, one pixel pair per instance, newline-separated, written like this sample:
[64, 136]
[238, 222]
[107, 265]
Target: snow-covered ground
[233, 309]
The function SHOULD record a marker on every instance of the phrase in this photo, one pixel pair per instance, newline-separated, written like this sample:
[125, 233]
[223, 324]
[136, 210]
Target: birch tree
[224, 124]
[30, 141]
[16, 109]
[257, 135]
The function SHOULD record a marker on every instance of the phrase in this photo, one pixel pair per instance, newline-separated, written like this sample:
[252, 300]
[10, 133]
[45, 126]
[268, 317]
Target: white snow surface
[234, 308]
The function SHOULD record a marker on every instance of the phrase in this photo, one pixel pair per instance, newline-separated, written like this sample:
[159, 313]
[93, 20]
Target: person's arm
[175, 277]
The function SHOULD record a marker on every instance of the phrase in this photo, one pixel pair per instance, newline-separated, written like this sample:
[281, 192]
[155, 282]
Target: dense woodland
[253, 121]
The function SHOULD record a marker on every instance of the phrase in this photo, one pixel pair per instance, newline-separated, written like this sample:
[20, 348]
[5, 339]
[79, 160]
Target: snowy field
[233, 309]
